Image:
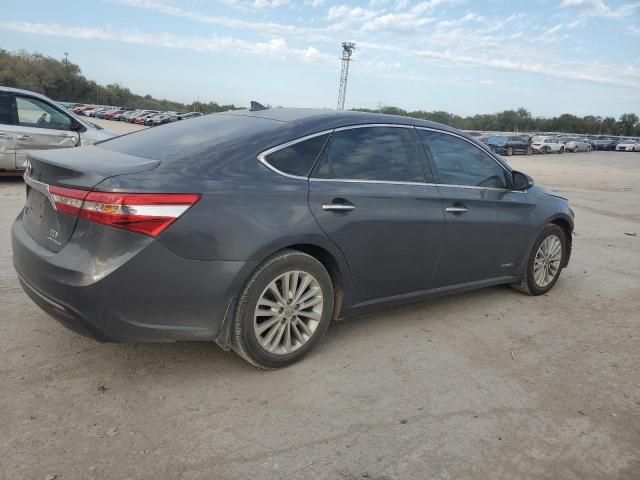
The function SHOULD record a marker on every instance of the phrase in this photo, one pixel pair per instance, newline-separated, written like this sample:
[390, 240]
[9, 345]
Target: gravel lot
[488, 384]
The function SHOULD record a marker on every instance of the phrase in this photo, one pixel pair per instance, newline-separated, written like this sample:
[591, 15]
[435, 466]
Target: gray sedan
[258, 229]
[576, 145]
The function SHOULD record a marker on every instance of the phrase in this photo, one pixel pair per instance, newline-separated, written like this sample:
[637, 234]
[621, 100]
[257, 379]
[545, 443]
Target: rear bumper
[137, 291]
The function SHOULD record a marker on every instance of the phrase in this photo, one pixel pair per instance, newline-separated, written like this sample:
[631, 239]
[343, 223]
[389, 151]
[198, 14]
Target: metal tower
[347, 50]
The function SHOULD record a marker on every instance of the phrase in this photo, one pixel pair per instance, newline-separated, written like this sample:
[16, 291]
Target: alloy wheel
[546, 264]
[288, 312]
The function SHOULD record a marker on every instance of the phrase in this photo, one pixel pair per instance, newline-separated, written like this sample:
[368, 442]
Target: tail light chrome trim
[146, 213]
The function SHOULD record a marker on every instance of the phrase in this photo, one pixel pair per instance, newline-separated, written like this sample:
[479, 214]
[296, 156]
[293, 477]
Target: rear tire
[544, 265]
[561, 150]
[275, 324]
[509, 151]
[545, 150]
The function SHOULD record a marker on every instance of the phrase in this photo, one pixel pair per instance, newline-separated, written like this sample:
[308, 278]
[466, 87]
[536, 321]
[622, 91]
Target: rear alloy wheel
[589, 148]
[283, 311]
[529, 151]
[509, 151]
[545, 262]
[561, 150]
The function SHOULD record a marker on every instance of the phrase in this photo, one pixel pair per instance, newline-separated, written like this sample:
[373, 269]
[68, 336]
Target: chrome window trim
[355, 180]
[262, 157]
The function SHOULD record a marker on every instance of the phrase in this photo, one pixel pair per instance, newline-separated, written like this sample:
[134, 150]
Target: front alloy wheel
[545, 262]
[509, 151]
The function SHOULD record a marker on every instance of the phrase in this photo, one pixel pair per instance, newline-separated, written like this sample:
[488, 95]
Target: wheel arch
[331, 258]
[567, 227]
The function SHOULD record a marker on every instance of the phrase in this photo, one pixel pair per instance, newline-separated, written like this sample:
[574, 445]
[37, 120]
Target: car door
[487, 224]
[519, 144]
[369, 195]
[41, 126]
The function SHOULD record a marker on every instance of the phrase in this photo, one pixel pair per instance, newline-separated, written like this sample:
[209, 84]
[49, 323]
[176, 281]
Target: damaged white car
[30, 121]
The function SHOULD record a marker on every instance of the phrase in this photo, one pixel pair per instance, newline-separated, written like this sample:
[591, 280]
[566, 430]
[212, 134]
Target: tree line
[63, 80]
[521, 120]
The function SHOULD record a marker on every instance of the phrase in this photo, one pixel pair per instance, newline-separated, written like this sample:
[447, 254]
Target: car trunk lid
[49, 173]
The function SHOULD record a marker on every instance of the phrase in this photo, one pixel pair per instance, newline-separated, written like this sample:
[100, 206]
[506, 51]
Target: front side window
[371, 153]
[35, 113]
[459, 162]
[297, 159]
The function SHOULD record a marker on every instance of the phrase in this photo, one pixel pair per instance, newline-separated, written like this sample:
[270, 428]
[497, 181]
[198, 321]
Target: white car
[546, 145]
[628, 146]
[30, 121]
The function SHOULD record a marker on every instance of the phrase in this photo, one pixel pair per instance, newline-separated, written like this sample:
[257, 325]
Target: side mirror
[521, 181]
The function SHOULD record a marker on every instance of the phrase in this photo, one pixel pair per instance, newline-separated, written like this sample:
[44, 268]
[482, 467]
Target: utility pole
[347, 51]
[66, 58]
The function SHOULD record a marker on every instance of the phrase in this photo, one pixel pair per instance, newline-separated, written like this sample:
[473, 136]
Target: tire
[528, 283]
[529, 151]
[509, 151]
[561, 150]
[247, 342]
[589, 148]
[544, 150]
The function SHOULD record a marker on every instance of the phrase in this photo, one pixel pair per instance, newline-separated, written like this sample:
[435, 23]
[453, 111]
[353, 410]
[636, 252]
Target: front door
[40, 126]
[369, 195]
[487, 224]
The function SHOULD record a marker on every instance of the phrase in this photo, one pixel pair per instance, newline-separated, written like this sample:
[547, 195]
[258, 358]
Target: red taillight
[146, 213]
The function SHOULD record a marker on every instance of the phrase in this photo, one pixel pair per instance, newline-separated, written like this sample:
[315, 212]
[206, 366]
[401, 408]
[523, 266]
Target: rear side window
[183, 140]
[458, 162]
[297, 159]
[371, 153]
[6, 109]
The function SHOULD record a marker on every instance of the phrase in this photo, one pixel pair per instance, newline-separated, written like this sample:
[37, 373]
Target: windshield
[497, 140]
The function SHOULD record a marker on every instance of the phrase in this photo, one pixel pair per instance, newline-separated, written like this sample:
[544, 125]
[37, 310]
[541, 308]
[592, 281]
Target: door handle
[456, 209]
[24, 137]
[5, 135]
[337, 207]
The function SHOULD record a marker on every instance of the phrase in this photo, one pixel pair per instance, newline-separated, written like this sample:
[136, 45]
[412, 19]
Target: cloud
[276, 47]
[597, 8]
[264, 28]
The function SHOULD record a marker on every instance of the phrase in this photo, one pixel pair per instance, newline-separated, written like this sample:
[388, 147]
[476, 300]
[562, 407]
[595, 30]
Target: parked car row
[527, 145]
[150, 118]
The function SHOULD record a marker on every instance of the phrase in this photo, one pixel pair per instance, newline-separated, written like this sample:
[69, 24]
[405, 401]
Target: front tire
[509, 151]
[283, 311]
[545, 262]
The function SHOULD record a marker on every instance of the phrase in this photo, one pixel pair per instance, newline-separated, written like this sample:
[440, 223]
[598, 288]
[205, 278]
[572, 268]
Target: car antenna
[257, 106]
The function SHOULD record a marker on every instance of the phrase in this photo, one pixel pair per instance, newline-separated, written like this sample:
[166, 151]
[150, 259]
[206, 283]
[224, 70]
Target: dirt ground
[484, 385]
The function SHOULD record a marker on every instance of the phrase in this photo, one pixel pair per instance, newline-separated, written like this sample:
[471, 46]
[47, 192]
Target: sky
[461, 56]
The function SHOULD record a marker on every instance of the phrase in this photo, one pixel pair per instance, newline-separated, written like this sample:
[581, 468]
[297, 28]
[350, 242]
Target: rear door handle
[5, 135]
[24, 137]
[337, 207]
[456, 209]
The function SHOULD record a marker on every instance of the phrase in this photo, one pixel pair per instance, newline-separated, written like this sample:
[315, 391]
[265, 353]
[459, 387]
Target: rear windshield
[187, 138]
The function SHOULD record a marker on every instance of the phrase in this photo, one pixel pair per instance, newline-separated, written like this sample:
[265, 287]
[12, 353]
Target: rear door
[369, 194]
[7, 132]
[487, 224]
[40, 126]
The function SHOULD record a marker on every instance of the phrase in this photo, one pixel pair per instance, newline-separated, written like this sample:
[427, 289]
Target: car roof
[327, 118]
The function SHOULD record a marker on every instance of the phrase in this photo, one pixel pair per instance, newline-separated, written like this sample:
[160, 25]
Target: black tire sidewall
[255, 286]
[549, 230]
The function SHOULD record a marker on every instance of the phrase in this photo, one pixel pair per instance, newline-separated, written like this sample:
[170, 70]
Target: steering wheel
[41, 120]
[492, 181]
